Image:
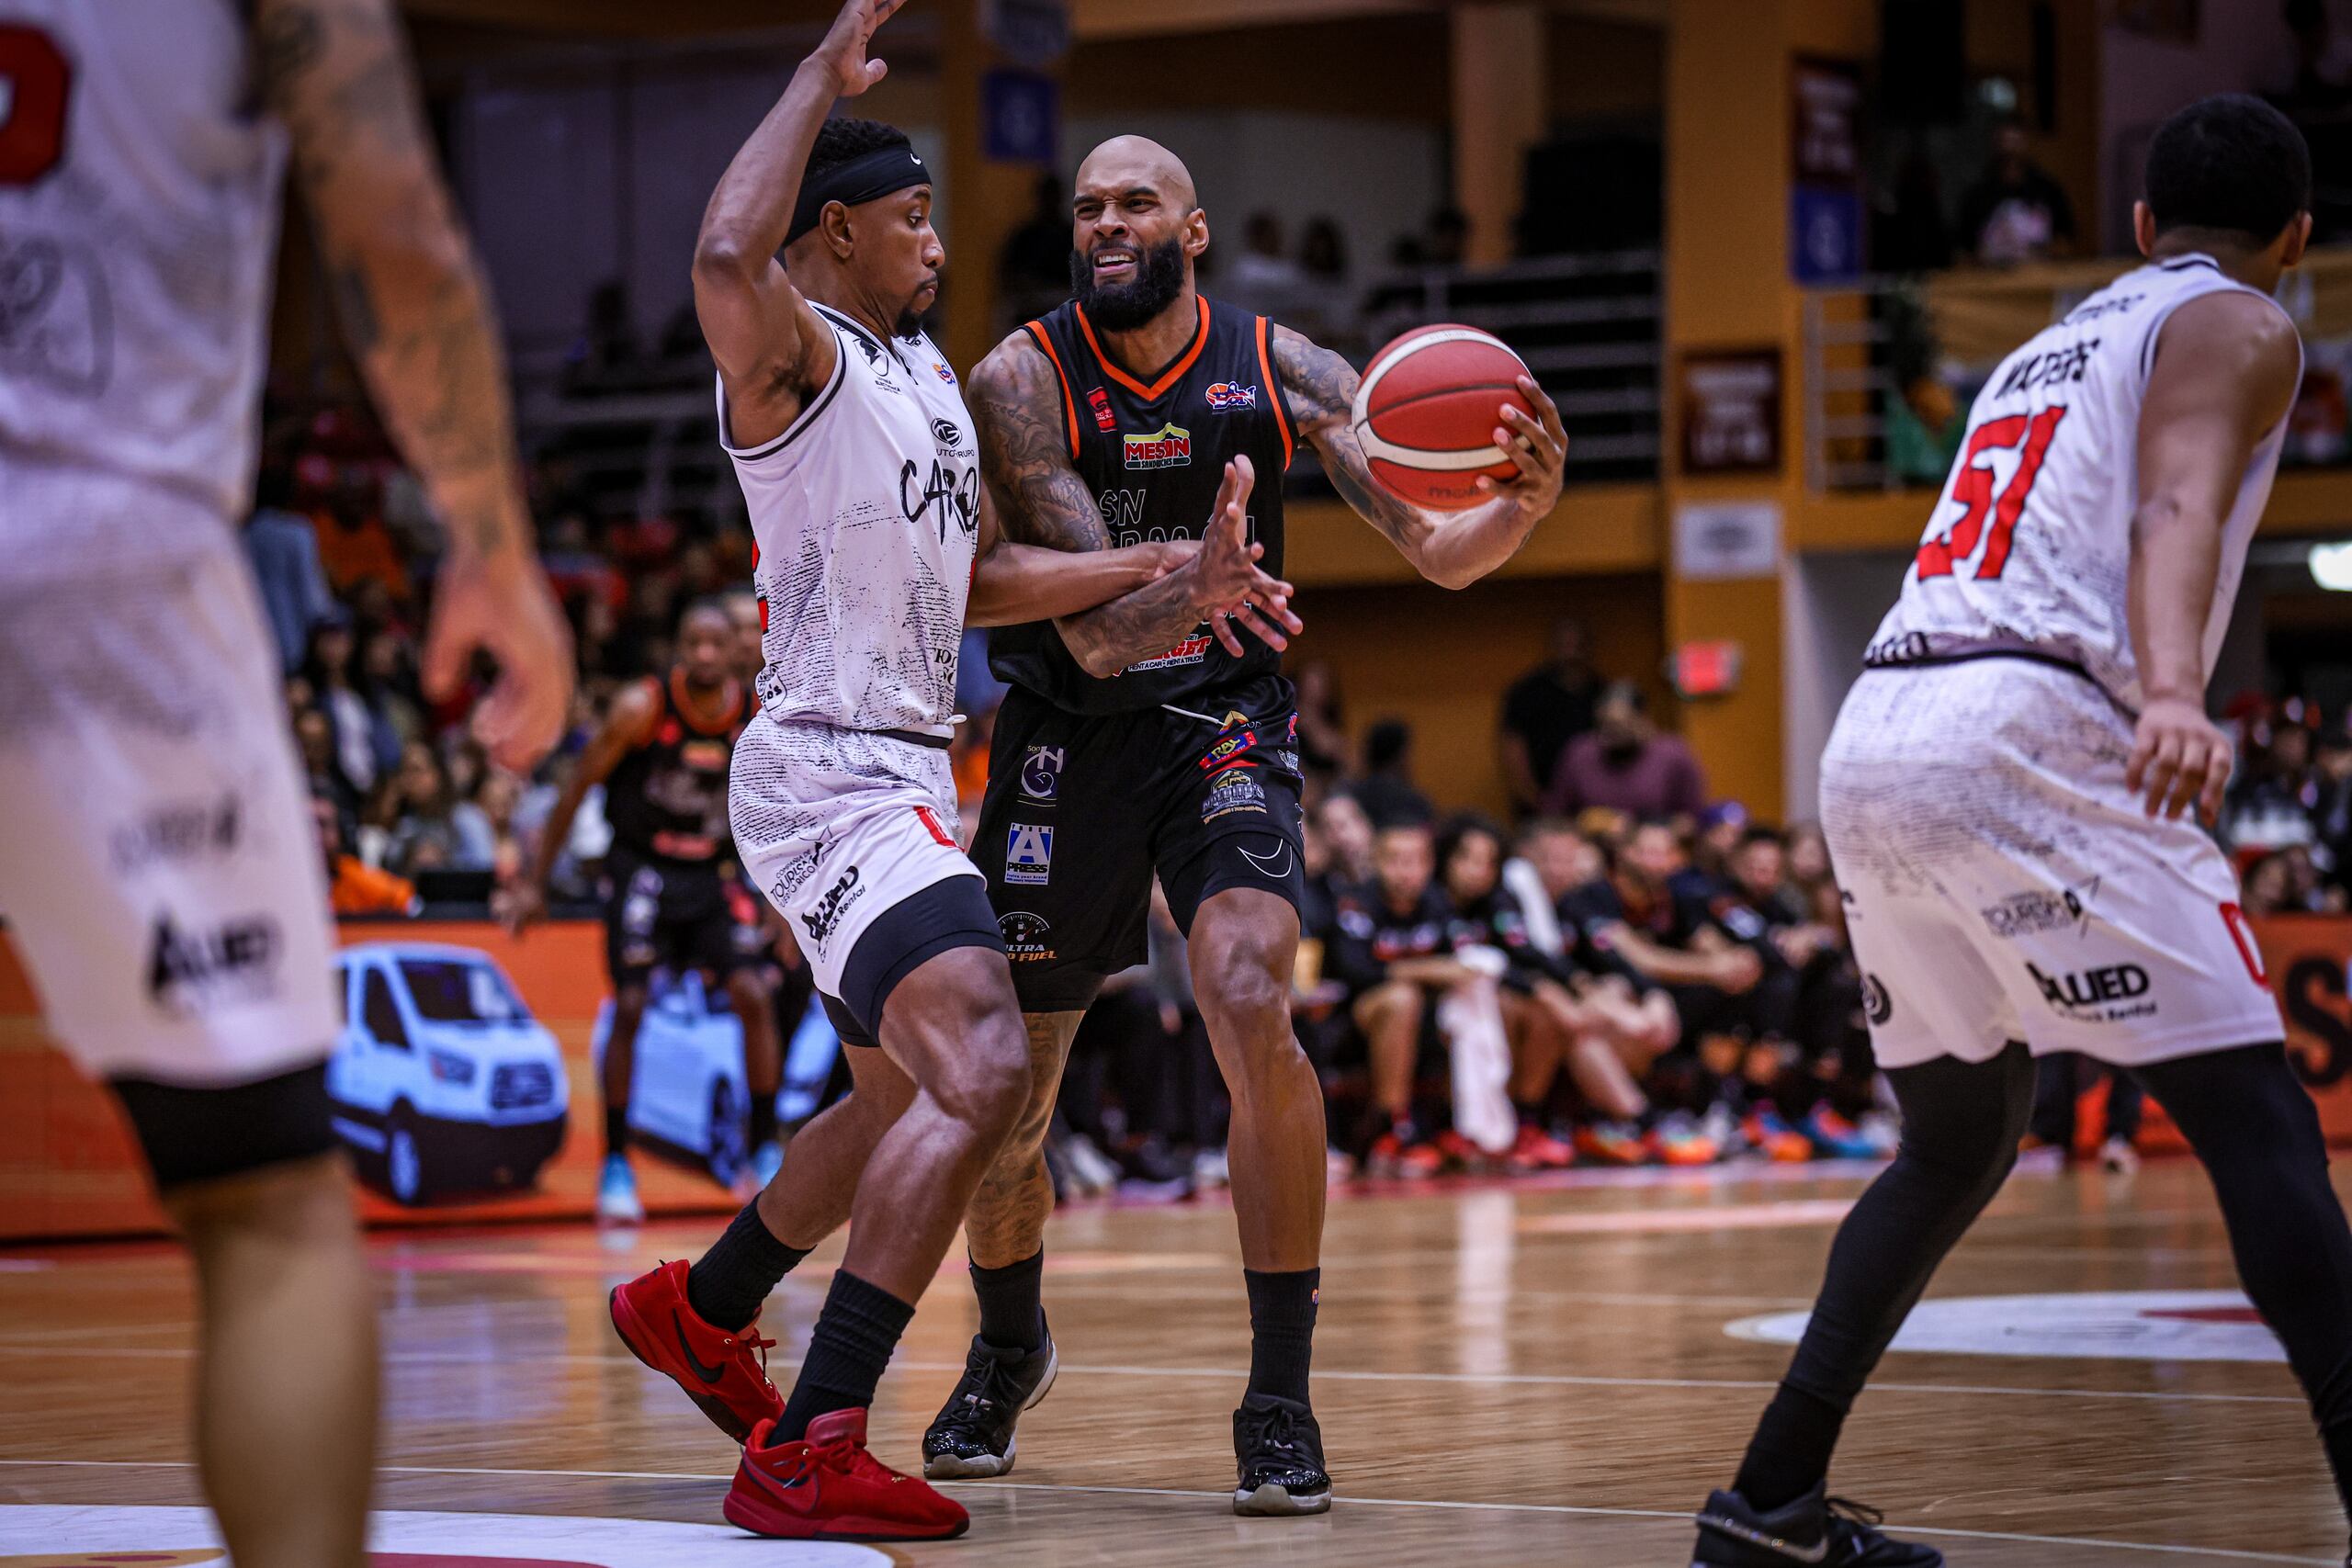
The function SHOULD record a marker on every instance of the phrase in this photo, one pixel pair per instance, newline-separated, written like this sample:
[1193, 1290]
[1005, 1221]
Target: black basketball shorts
[1082, 811]
[666, 914]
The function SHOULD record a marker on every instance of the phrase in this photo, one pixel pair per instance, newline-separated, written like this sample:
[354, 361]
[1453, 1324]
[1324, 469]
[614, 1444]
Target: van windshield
[451, 991]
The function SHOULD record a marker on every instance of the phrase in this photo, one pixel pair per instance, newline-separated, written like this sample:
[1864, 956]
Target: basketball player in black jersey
[1137, 740]
[663, 757]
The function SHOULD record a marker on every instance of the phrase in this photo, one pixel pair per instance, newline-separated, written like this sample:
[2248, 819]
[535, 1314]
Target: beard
[1123, 307]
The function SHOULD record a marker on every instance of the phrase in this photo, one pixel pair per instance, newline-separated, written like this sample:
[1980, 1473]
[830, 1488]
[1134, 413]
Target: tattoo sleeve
[1041, 500]
[1319, 389]
[398, 263]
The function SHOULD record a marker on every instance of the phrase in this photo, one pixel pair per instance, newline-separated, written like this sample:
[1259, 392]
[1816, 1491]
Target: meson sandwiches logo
[1169, 447]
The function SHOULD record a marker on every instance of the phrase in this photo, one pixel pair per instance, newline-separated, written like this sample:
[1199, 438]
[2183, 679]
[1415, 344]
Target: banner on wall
[463, 1083]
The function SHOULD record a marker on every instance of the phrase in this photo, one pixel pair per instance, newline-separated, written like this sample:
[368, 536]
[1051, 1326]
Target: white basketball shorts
[838, 826]
[2002, 884]
[159, 866]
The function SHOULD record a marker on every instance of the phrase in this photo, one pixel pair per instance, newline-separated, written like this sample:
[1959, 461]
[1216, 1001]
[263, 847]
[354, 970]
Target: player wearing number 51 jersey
[2004, 798]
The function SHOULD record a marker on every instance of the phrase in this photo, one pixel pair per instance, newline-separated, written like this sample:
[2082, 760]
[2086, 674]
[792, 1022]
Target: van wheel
[404, 1159]
[728, 1136]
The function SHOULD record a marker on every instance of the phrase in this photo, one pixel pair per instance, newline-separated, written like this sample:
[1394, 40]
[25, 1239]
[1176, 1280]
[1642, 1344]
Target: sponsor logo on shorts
[826, 918]
[1192, 650]
[1024, 936]
[1169, 447]
[2114, 992]
[1227, 746]
[1227, 396]
[172, 834]
[192, 972]
[1877, 1005]
[794, 874]
[2038, 912]
[1236, 789]
[1041, 773]
[1099, 402]
[1029, 854]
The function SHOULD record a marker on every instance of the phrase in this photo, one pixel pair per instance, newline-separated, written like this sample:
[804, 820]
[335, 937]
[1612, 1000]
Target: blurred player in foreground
[159, 866]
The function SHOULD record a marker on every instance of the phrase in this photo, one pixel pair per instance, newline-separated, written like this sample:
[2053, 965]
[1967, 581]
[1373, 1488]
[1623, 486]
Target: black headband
[867, 178]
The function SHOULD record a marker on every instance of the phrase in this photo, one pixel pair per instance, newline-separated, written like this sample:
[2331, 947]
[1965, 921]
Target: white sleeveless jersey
[139, 203]
[2030, 545]
[865, 517]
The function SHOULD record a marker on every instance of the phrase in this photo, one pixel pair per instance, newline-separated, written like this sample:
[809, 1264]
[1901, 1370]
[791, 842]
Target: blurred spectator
[485, 826]
[1261, 278]
[1386, 791]
[1349, 828]
[1625, 764]
[2269, 887]
[386, 675]
[2270, 799]
[1033, 269]
[1808, 857]
[1322, 728]
[427, 833]
[364, 744]
[284, 549]
[354, 888]
[2015, 213]
[1542, 711]
[355, 544]
[2331, 803]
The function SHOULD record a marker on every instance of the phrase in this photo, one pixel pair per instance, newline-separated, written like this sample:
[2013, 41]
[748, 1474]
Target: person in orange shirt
[354, 888]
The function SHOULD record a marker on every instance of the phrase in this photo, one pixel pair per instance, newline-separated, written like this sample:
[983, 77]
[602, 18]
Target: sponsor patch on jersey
[1877, 1005]
[1227, 396]
[1024, 936]
[939, 367]
[189, 973]
[826, 918]
[1192, 650]
[1169, 447]
[1236, 789]
[2037, 913]
[1099, 402]
[1041, 773]
[2112, 993]
[1029, 854]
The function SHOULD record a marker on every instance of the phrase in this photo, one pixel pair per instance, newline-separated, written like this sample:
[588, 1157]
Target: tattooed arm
[420, 324]
[1016, 583]
[1453, 549]
[1015, 401]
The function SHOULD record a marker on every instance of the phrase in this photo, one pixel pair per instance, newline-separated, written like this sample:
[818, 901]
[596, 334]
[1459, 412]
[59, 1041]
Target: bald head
[1137, 228]
[1130, 163]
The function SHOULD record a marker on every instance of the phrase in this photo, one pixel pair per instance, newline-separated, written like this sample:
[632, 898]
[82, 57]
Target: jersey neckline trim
[1169, 375]
[843, 318]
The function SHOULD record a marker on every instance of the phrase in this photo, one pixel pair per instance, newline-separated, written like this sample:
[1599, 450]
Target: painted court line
[1563, 1509]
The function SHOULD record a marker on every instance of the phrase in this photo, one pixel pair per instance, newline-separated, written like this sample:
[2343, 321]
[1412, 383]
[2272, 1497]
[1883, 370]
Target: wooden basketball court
[1547, 1373]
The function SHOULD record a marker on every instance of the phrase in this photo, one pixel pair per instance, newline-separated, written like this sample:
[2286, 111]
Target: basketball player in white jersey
[157, 868]
[2010, 796]
[849, 434]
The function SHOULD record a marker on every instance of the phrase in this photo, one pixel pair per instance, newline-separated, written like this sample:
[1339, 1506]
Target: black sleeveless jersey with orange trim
[1153, 452]
[667, 799]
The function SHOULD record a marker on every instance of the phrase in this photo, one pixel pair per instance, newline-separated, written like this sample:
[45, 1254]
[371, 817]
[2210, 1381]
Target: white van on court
[442, 1080]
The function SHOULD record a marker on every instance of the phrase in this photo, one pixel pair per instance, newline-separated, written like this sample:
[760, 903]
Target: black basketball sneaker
[971, 1438]
[1817, 1531]
[1279, 1450]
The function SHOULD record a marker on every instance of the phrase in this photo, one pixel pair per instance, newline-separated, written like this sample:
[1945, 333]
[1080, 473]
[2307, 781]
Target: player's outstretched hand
[842, 54]
[2179, 760]
[507, 611]
[1232, 587]
[1540, 447]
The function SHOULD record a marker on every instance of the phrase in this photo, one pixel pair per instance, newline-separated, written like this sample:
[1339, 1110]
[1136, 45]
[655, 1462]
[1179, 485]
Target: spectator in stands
[1322, 728]
[387, 677]
[1393, 949]
[1386, 791]
[2269, 887]
[1563, 859]
[354, 888]
[1347, 829]
[355, 544]
[284, 549]
[314, 743]
[1625, 764]
[1261, 278]
[2331, 804]
[2015, 213]
[486, 825]
[364, 745]
[427, 833]
[2269, 802]
[1542, 711]
[1033, 269]
[1808, 858]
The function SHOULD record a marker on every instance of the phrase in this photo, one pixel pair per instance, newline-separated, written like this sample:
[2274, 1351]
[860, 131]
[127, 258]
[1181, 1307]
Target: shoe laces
[1859, 1518]
[1271, 1425]
[990, 1389]
[845, 1455]
[748, 1343]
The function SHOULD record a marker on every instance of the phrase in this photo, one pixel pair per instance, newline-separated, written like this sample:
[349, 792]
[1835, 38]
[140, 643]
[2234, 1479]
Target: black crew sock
[1531, 1114]
[616, 1130]
[728, 1283]
[848, 1348]
[763, 1119]
[1013, 1306]
[1282, 1329]
[1789, 1453]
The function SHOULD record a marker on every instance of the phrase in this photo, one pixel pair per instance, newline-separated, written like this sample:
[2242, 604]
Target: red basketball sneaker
[827, 1487]
[725, 1374]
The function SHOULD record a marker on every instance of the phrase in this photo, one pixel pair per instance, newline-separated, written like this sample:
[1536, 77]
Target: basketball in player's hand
[1427, 412]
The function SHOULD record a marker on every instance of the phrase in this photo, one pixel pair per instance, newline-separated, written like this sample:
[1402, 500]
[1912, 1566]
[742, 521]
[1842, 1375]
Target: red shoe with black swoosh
[827, 1487]
[724, 1372]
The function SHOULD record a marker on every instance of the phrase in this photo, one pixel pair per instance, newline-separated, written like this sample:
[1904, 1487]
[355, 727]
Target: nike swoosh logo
[1274, 866]
[1818, 1553]
[708, 1374]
